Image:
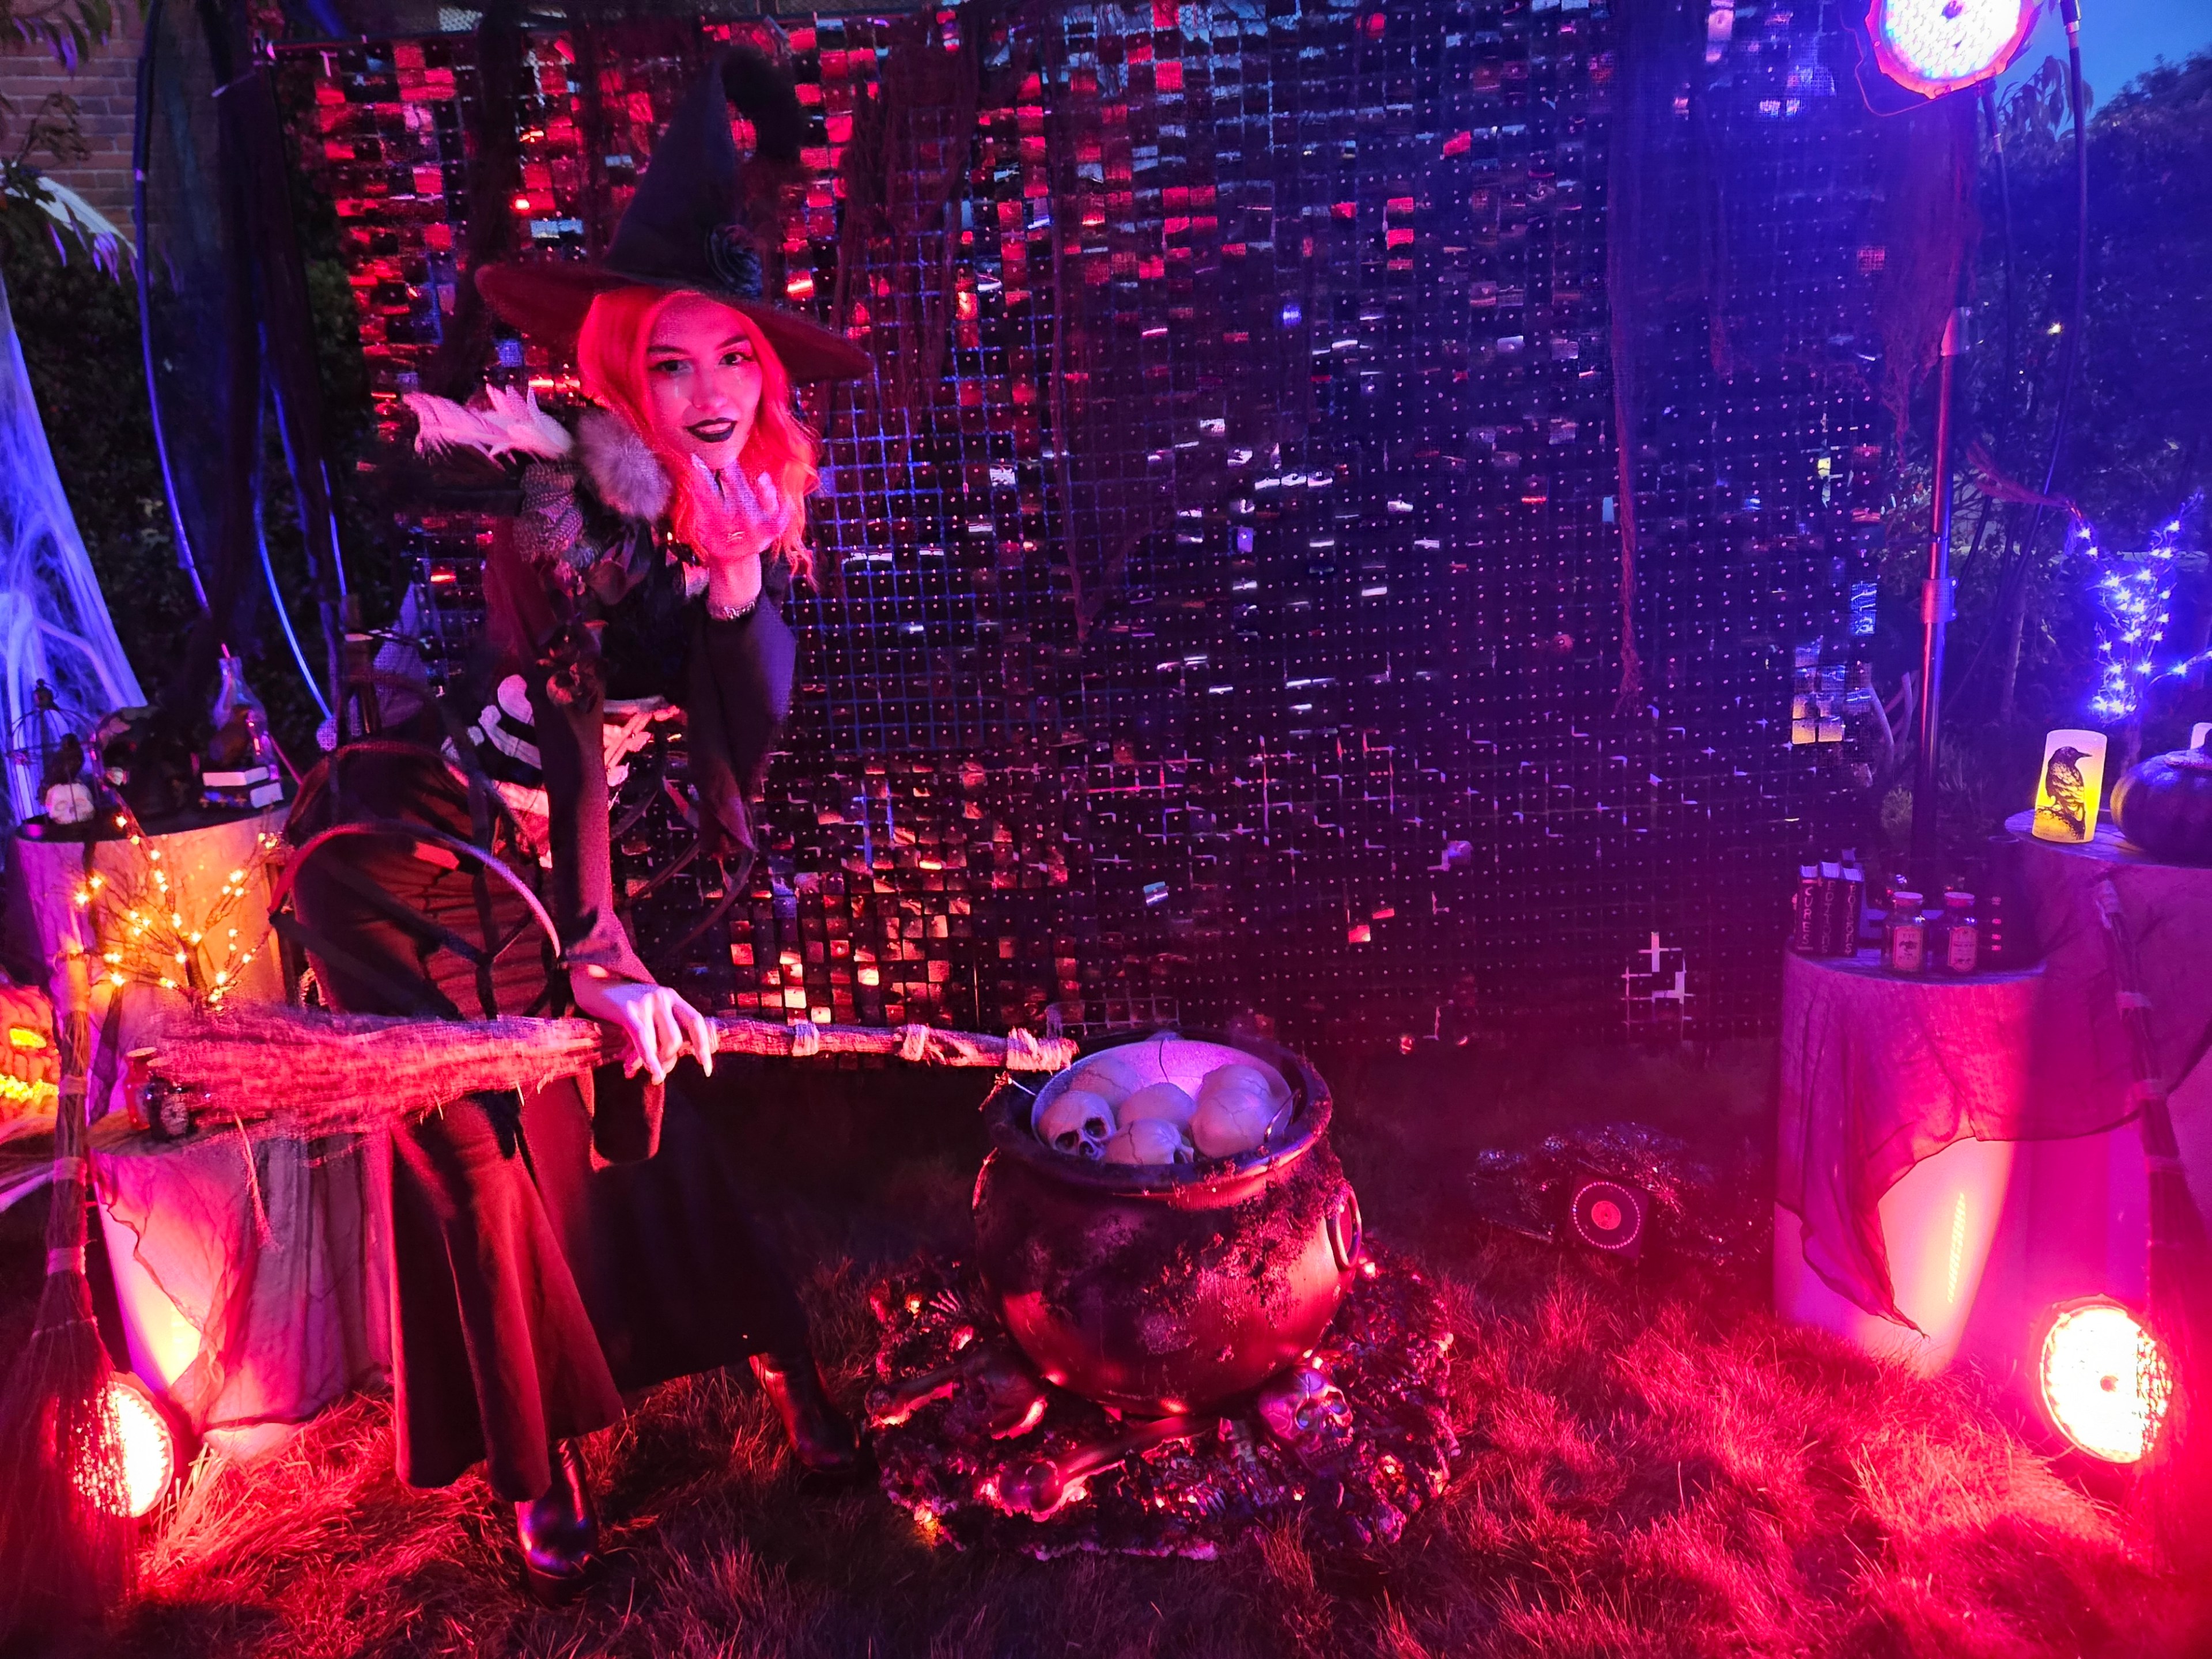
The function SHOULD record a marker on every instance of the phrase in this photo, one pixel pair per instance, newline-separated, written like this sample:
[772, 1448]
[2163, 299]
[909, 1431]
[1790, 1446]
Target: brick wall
[105, 86]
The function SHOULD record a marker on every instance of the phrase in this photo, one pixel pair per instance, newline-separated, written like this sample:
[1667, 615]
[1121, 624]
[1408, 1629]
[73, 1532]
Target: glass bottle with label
[1905, 939]
[1961, 936]
[1852, 908]
[1829, 916]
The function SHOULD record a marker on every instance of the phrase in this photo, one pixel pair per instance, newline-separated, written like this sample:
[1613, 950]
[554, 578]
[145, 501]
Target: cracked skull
[1077, 1122]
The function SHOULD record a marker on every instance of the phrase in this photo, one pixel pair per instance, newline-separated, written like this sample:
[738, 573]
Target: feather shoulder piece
[510, 423]
[620, 468]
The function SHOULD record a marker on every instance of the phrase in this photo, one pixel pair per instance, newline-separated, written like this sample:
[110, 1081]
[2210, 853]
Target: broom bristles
[68, 1546]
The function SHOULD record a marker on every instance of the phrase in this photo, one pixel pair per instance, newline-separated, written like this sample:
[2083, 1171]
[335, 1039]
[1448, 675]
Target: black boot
[560, 1531]
[820, 1436]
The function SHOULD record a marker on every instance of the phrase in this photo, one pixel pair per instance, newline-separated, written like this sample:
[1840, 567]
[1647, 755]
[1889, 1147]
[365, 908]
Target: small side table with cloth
[251, 1282]
[251, 1276]
[1957, 1157]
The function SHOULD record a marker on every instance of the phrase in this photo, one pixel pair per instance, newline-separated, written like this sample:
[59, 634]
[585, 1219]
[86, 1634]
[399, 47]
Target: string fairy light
[2135, 592]
[140, 934]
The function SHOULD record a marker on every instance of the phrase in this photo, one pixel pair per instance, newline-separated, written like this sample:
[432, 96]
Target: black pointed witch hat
[686, 228]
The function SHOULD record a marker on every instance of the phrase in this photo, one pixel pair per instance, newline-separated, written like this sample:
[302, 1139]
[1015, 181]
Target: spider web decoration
[54, 625]
[1234, 524]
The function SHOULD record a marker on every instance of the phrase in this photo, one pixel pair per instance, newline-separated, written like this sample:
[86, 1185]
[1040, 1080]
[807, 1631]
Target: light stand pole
[1936, 607]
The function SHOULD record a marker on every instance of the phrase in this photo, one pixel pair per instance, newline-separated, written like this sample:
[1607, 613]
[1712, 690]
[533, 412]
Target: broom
[2176, 1489]
[290, 1071]
[66, 1544]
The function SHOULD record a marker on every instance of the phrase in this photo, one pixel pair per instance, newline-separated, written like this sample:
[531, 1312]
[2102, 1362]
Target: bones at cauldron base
[1353, 1437]
[992, 1383]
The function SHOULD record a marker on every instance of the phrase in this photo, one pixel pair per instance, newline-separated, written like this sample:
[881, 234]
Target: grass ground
[1653, 1465]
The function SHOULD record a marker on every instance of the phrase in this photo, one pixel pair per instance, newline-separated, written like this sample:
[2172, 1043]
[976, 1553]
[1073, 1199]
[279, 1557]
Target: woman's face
[703, 379]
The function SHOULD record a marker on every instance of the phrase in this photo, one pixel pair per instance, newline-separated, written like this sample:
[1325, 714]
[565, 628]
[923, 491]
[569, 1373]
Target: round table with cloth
[252, 1280]
[1878, 1071]
[1957, 1157]
[251, 1286]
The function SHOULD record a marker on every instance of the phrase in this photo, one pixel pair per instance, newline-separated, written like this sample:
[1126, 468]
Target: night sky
[2120, 39]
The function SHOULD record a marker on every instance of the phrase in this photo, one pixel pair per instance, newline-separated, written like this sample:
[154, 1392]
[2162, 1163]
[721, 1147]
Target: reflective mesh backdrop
[1225, 573]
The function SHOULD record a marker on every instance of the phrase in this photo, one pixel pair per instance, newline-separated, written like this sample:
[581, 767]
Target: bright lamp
[2105, 1381]
[1936, 46]
[149, 1449]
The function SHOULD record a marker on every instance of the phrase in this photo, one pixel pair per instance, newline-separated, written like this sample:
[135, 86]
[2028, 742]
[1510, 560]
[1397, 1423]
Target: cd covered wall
[1225, 573]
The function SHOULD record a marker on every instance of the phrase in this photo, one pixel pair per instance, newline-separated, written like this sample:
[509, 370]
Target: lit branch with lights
[141, 936]
[2134, 591]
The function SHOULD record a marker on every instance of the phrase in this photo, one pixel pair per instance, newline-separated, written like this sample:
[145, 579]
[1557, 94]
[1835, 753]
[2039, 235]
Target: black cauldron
[1167, 1288]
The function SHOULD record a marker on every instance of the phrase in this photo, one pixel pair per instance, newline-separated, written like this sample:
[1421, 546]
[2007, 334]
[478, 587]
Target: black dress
[545, 1259]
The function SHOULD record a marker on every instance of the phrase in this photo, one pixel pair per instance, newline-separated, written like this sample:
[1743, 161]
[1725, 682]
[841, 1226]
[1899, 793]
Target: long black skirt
[533, 1282]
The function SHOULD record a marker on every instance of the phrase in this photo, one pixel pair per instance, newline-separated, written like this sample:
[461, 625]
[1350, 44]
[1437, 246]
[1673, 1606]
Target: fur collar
[624, 472]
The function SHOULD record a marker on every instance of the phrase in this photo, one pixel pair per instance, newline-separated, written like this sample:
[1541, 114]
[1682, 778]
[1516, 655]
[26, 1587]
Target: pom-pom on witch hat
[687, 227]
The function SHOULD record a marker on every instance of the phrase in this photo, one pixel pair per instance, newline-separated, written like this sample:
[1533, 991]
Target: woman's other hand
[659, 1025]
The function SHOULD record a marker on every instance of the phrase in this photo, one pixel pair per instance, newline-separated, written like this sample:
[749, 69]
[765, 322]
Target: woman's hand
[659, 1024]
[741, 518]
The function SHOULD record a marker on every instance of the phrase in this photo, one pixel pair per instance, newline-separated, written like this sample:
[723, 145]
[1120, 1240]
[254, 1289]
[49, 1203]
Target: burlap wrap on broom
[281, 1070]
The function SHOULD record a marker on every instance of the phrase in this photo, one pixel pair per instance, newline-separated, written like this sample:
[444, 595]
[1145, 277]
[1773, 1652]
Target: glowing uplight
[2105, 1381]
[1936, 46]
[149, 1450]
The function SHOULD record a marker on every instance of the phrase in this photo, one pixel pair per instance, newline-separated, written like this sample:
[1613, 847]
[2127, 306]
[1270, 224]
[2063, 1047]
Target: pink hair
[610, 354]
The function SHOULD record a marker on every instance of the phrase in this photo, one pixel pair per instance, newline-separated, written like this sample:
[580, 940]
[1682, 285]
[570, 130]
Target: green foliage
[79, 329]
[50, 132]
[67, 28]
[2138, 443]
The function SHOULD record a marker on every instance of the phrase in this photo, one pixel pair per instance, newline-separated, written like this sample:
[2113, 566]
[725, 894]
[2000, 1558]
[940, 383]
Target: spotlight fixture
[1936, 46]
[2106, 1380]
[149, 1449]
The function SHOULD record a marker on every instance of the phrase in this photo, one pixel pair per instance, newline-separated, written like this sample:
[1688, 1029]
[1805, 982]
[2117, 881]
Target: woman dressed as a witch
[544, 1258]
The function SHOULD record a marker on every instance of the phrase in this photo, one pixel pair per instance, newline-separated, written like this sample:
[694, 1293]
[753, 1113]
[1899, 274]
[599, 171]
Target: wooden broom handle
[802, 1039]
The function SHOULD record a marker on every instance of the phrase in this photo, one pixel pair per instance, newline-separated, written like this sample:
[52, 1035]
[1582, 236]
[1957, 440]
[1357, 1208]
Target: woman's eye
[736, 358]
[669, 366]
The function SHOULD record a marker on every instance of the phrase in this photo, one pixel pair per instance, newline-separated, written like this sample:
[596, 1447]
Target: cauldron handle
[1346, 1233]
